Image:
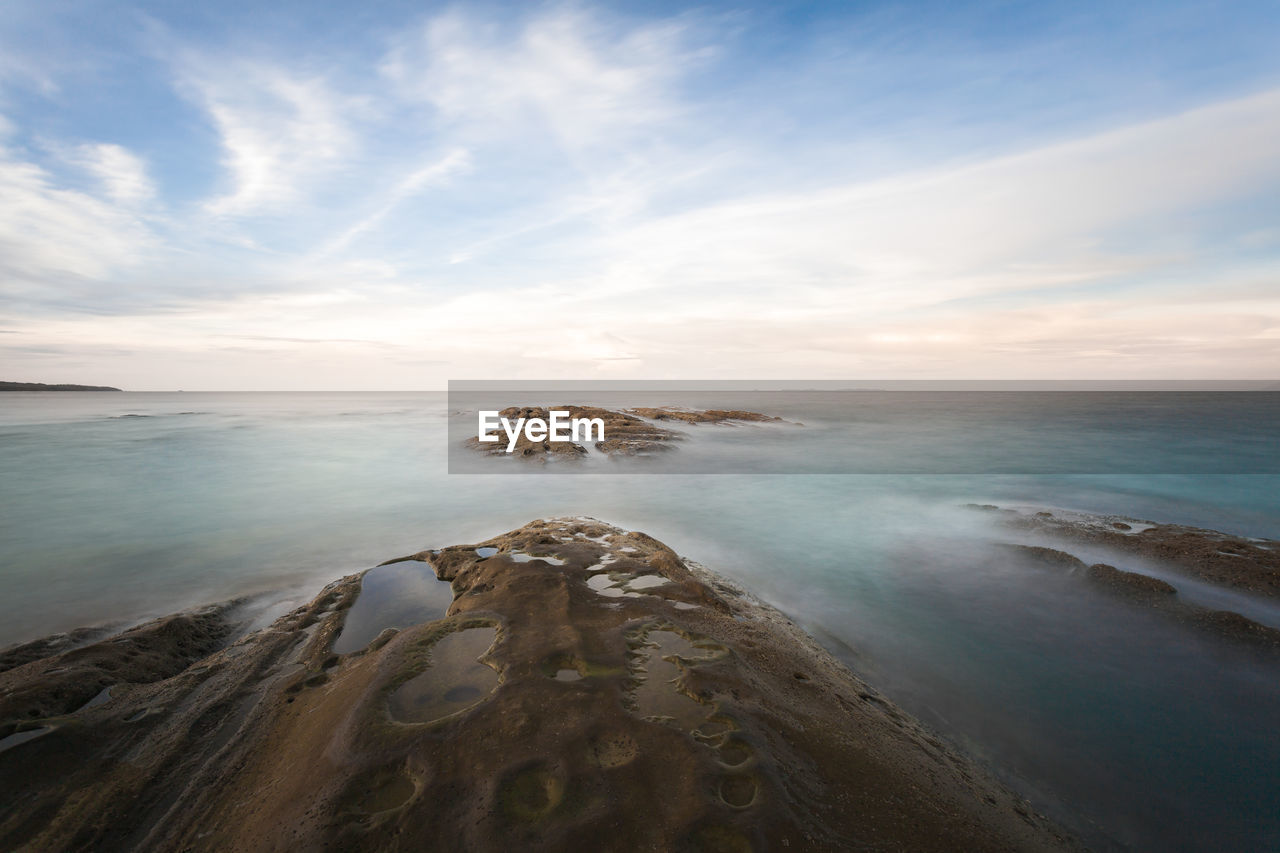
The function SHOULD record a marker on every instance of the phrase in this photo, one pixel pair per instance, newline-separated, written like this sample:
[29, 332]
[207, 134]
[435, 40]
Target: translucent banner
[864, 427]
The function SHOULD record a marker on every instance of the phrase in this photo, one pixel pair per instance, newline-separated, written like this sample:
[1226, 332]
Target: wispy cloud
[281, 131]
[436, 172]
[574, 190]
[122, 174]
[53, 237]
[1041, 219]
[567, 73]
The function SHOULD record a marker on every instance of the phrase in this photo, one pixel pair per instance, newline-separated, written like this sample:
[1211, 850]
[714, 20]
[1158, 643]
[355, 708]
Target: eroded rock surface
[1236, 562]
[662, 709]
[44, 647]
[1133, 583]
[1157, 594]
[57, 684]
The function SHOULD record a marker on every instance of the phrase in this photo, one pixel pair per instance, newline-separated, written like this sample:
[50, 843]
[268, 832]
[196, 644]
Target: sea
[1134, 730]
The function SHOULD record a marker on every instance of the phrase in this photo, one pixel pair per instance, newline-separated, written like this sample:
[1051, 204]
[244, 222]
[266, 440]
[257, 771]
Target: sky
[385, 196]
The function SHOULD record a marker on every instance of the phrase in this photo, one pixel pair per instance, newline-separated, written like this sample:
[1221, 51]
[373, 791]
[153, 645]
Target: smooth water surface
[1134, 728]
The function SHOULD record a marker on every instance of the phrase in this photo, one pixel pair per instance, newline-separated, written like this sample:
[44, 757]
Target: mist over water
[1131, 726]
[918, 431]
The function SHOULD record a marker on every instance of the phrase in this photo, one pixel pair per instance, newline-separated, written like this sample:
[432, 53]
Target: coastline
[40, 386]
[757, 739]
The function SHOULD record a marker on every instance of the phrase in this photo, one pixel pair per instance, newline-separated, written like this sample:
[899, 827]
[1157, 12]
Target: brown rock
[709, 416]
[625, 435]
[1235, 562]
[1129, 581]
[57, 685]
[1047, 556]
[587, 690]
[1156, 594]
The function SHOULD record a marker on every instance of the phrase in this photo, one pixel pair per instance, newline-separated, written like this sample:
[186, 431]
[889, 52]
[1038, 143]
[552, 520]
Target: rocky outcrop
[587, 689]
[1132, 583]
[708, 416]
[1248, 564]
[54, 644]
[629, 432]
[151, 652]
[1156, 594]
[624, 435]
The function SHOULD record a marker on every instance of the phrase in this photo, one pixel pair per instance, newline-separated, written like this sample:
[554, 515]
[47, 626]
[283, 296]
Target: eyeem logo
[561, 428]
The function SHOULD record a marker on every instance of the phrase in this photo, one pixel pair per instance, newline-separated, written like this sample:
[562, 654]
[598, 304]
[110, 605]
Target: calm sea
[1131, 728]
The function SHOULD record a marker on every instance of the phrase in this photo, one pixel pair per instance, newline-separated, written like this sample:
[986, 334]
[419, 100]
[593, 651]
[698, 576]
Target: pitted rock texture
[544, 712]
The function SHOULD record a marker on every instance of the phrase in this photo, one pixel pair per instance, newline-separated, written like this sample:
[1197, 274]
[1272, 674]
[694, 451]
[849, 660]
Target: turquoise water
[119, 506]
[925, 432]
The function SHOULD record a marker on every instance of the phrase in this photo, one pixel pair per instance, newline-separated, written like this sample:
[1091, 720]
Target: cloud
[19, 67]
[566, 73]
[547, 194]
[123, 175]
[281, 131]
[52, 237]
[1080, 211]
[275, 338]
[434, 173]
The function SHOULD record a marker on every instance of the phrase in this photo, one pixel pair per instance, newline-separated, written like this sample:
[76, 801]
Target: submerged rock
[1236, 562]
[708, 416]
[1156, 594]
[1130, 582]
[663, 708]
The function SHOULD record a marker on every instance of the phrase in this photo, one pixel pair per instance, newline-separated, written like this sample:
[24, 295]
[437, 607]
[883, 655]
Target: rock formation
[1236, 562]
[1156, 594]
[626, 433]
[587, 689]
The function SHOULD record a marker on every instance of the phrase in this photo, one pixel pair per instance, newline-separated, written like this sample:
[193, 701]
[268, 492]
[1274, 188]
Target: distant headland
[40, 386]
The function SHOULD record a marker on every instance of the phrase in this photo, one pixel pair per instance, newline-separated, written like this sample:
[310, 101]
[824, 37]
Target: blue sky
[326, 196]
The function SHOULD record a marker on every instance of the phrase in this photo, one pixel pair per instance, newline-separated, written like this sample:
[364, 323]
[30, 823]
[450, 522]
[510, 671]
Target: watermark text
[561, 427]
